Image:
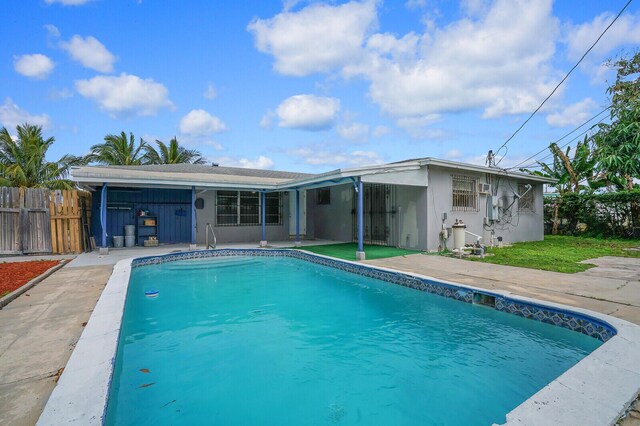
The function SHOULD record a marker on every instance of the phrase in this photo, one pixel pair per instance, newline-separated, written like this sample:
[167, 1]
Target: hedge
[608, 214]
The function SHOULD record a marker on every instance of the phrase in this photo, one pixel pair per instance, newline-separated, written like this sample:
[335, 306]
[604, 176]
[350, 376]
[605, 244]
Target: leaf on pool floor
[170, 402]
[145, 370]
[146, 385]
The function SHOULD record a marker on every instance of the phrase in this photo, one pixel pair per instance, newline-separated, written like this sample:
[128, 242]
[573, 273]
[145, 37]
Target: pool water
[282, 341]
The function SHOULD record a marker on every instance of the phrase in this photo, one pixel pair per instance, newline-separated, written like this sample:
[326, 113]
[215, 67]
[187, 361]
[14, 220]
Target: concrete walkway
[612, 288]
[38, 332]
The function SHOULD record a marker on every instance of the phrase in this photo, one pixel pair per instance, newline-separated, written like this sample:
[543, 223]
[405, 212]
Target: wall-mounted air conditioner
[484, 188]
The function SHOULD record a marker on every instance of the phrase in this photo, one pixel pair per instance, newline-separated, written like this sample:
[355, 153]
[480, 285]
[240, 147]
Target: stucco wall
[238, 234]
[332, 221]
[412, 217]
[525, 226]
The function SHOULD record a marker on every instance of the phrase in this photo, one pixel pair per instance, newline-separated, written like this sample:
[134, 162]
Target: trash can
[129, 230]
[118, 241]
[129, 240]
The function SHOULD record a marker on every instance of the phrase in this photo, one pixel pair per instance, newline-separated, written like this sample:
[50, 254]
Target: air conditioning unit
[484, 188]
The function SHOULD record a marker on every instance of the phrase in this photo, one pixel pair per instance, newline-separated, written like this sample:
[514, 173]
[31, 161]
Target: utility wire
[562, 146]
[568, 134]
[563, 80]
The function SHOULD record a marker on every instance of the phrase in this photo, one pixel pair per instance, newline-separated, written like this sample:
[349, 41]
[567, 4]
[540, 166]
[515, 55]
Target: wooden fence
[68, 232]
[34, 220]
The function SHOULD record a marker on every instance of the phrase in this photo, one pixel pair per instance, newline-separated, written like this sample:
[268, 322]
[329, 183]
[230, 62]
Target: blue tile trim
[575, 321]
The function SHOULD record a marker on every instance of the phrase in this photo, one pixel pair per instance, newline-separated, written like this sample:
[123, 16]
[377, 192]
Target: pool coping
[596, 390]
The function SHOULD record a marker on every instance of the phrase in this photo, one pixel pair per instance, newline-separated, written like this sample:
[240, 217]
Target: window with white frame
[243, 208]
[526, 203]
[464, 193]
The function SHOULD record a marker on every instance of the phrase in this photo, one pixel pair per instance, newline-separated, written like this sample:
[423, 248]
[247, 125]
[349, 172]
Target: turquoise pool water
[281, 341]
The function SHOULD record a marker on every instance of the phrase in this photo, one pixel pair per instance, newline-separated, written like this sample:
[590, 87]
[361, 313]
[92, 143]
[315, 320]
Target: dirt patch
[14, 275]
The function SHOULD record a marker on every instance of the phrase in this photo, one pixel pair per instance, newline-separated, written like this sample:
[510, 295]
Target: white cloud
[12, 115]
[90, 53]
[317, 38]
[625, 32]
[199, 122]
[261, 162]
[380, 131]
[125, 95]
[498, 58]
[36, 66]
[356, 132]
[573, 115]
[52, 30]
[317, 155]
[308, 112]
[210, 93]
[68, 2]
[453, 154]
[419, 127]
[59, 94]
[497, 61]
[265, 121]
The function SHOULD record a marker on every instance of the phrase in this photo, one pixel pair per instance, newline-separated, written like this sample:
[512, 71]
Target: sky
[310, 86]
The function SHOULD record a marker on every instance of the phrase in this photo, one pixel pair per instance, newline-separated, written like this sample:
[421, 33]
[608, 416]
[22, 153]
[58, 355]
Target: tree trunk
[554, 229]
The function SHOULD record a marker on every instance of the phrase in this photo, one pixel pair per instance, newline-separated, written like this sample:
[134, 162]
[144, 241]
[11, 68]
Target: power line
[563, 80]
[566, 135]
[562, 146]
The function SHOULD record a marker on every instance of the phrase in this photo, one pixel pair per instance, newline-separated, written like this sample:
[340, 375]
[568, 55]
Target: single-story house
[405, 204]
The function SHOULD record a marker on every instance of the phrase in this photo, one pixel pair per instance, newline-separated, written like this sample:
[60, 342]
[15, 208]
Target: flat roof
[185, 175]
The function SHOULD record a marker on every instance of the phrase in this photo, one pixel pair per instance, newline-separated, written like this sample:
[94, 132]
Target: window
[526, 203]
[324, 196]
[242, 208]
[226, 208]
[465, 193]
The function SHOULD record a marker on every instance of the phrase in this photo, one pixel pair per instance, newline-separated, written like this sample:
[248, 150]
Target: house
[405, 204]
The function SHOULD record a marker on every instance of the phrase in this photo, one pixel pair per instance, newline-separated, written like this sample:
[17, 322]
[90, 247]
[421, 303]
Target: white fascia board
[171, 183]
[483, 169]
[341, 176]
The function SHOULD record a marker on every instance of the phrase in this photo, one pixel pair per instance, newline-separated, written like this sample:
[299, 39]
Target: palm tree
[118, 150]
[23, 160]
[172, 153]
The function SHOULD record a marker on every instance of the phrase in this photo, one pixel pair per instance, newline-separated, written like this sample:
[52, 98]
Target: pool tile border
[584, 324]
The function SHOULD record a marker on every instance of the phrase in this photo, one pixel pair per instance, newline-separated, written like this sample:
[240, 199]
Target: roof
[185, 175]
[214, 170]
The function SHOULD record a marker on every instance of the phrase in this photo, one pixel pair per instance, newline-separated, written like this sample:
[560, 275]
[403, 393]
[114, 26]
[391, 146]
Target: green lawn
[559, 253]
[347, 251]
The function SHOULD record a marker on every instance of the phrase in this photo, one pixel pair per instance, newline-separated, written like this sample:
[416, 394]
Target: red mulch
[14, 275]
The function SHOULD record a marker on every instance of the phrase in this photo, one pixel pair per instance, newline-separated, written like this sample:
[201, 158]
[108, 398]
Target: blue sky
[309, 85]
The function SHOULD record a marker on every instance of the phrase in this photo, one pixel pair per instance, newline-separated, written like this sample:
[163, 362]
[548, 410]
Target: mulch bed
[14, 275]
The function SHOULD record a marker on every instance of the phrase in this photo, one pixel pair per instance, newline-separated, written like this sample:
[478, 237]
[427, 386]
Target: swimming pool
[280, 340]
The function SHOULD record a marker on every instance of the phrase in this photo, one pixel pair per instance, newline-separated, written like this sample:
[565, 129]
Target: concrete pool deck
[38, 332]
[612, 288]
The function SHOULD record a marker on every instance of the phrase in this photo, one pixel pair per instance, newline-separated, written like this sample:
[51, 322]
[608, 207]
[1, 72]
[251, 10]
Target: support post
[360, 253]
[103, 219]
[298, 243]
[192, 246]
[263, 211]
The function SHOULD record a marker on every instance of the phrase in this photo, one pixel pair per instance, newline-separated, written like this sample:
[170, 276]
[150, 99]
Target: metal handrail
[215, 242]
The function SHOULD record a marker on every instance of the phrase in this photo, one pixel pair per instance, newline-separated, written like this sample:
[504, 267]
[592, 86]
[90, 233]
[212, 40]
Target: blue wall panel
[171, 206]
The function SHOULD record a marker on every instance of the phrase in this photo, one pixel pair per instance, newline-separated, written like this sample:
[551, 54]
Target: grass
[347, 251]
[560, 253]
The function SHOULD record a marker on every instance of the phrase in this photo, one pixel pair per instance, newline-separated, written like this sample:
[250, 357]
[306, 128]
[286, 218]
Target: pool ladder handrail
[215, 242]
